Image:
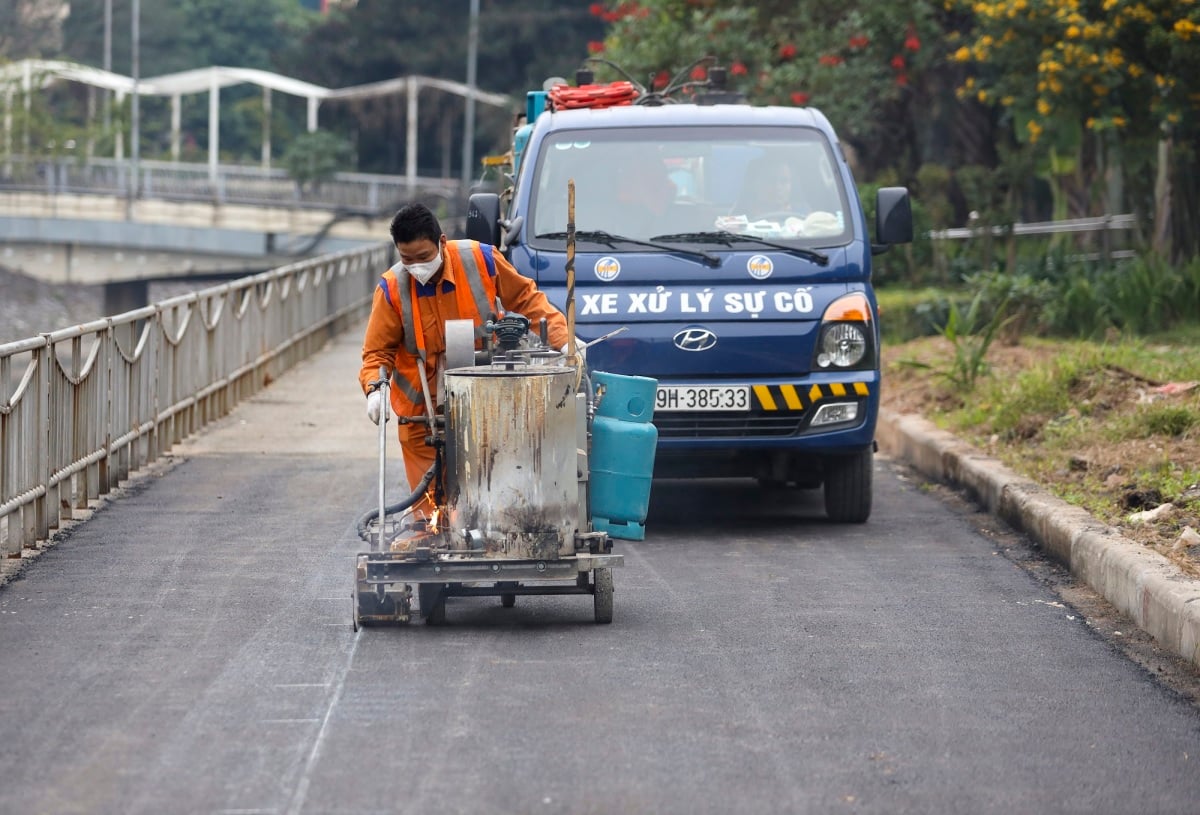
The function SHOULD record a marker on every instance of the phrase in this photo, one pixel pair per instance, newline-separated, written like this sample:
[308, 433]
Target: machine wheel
[433, 608]
[508, 599]
[603, 595]
[848, 487]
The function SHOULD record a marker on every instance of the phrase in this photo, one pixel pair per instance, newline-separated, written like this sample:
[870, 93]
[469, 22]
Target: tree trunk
[1162, 198]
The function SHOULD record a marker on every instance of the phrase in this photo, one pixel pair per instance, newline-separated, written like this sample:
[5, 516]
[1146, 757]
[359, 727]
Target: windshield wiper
[610, 240]
[730, 238]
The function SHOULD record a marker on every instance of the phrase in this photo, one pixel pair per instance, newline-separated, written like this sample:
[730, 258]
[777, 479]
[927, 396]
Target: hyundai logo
[695, 338]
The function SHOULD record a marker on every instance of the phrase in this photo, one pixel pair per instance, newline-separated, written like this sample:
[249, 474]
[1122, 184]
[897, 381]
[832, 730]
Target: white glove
[580, 350]
[374, 405]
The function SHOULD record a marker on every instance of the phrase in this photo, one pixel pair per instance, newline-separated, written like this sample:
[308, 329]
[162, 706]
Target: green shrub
[1168, 420]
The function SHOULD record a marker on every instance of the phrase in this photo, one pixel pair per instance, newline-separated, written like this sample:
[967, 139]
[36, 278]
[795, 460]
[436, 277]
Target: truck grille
[727, 425]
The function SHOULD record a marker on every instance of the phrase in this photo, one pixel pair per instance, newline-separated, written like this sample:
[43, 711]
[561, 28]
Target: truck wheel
[848, 487]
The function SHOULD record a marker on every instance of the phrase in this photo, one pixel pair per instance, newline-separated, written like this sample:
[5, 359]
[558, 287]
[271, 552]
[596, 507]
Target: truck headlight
[846, 338]
[843, 345]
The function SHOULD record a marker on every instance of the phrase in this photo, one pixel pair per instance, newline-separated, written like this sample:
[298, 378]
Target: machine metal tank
[511, 460]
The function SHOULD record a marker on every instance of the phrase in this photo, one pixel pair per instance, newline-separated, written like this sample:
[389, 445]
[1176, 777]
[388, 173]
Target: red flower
[898, 62]
[859, 41]
[661, 79]
[787, 51]
[911, 43]
[595, 47]
[737, 69]
[902, 80]
[699, 72]
[596, 9]
[831, 60]
[799, 98]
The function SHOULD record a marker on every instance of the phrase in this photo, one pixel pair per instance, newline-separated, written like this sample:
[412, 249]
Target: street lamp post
[134, 117]
[469, 118]
[107, 62]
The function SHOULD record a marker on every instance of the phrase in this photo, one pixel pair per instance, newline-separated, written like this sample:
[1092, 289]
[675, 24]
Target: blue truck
[728, 244]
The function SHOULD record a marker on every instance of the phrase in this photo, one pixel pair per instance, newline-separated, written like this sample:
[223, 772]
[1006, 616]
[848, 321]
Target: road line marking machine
[539, 464]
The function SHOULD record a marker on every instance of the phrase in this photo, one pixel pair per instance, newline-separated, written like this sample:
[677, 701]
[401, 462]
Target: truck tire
[848, 487]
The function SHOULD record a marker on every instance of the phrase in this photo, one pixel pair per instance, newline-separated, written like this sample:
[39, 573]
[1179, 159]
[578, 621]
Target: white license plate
[702, 398]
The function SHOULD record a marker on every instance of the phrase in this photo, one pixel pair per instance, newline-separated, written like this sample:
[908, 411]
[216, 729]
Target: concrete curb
[1158, 596]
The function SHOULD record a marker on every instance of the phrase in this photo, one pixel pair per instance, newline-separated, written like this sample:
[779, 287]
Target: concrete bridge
[69, 223]
[88, 240]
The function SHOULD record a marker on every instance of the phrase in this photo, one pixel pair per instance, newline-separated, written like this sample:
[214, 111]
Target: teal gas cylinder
[622, 459]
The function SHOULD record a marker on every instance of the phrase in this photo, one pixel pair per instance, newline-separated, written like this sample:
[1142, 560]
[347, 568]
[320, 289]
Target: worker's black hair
[414, 221]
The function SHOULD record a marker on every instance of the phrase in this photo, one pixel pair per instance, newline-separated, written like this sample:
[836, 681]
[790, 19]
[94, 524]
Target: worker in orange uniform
[436, 280]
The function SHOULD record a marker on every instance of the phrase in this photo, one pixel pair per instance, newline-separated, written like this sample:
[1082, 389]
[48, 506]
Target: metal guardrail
[234, 184]
[83, 408]
[1102, 223]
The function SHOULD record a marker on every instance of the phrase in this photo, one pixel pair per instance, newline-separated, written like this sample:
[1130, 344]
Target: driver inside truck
[645, 197]
[434, 281]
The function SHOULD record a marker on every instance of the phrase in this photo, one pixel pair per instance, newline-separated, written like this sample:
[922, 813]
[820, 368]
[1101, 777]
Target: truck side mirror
[893, 218]
[483, 218]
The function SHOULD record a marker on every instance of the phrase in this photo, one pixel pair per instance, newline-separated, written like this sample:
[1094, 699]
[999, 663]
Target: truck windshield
[775, 183]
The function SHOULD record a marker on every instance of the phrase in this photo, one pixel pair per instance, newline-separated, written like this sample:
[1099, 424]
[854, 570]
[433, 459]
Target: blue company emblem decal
[695, 338]
[607, 268]
[760, 267]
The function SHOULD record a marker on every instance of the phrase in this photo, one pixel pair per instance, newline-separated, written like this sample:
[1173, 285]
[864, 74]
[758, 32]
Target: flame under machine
[509, 486]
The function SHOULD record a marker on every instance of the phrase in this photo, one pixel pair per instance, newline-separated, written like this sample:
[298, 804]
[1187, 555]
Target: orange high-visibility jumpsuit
[473, 276]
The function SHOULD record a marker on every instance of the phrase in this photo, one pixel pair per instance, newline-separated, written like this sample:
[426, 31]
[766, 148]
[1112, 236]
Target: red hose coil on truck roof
[565, 97]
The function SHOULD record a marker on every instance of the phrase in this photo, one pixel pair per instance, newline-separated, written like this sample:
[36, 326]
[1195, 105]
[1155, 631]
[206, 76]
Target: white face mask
[424, 272]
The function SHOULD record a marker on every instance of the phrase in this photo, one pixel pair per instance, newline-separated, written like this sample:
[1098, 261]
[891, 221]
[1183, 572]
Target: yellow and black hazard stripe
[798, 397]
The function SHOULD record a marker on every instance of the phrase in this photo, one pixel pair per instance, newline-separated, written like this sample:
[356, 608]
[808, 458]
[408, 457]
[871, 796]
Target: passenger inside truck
[767, 190]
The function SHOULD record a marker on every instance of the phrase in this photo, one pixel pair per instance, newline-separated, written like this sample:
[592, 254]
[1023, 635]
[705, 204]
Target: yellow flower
[962, 54]
[1072, 32]
[1008, 101]
[1119, 121]
[1140, 12]
[1043, 107]
[1034, 129]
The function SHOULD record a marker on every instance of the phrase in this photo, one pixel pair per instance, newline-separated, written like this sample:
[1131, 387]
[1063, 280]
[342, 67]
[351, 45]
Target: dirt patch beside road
[1114, 430]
